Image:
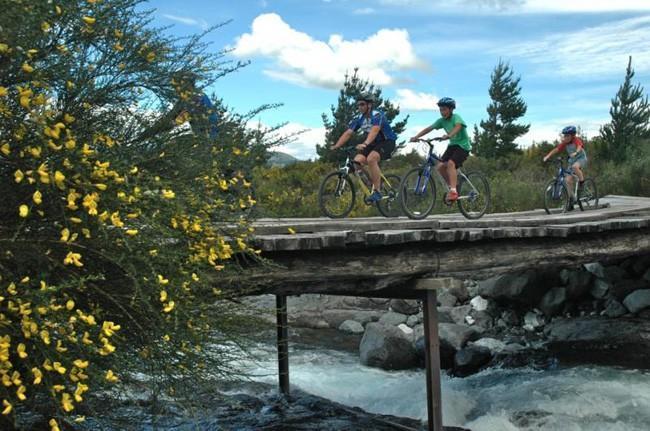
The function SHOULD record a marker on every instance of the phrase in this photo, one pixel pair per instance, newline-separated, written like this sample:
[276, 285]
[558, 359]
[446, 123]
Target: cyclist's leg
[373, 167]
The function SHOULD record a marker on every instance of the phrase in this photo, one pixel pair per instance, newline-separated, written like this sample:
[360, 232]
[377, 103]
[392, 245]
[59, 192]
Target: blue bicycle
[418, 189]
[556, 193]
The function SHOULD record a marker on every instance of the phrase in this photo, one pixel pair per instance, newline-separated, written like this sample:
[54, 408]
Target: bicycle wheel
[473, 195]
[389, 205]
[556, 197]
[336, 195]
[588, 195]
[417, 193]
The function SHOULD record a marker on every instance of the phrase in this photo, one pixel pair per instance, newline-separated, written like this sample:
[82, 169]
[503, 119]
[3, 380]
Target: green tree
[346, 110]
[499, 131]
[630, 112]
[110, 250]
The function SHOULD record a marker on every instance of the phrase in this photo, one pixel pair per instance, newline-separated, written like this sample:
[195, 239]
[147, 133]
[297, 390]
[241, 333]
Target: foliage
[630, 114]
[346, 110]
[499, 131]
[110, 253]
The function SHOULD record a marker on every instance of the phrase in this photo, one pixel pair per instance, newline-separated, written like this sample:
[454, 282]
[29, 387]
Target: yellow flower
[162, 280]
[69, 305]
[151, 57]
[80, 364]
[4, 48]
[20, 393]
[134, 170]
[23, 210]
[38, 375]
[21, 351]
[6, 149]
[27, 68]
[7, 408]
[153, 252]
[59, 368]
[169, 307]
[163, 296]
[109, 328]
[73, 259]
[65, 234]
[168, 194]
[45, 26]
[37, 197]
[59, 11]
[132, 232]
[111, 377]
[68, 118]
[291, 231]
[117, 47]
[195, 277]
[70, 144]
[59, 178]
[89, 20]
[66, 402]
[3, 91]
[53, 425]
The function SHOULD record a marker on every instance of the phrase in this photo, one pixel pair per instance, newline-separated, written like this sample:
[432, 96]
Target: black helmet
[366, 97]
[569, 130]
[448, 102]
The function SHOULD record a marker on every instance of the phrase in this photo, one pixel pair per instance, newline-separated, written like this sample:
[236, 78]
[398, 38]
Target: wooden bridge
[402, 258]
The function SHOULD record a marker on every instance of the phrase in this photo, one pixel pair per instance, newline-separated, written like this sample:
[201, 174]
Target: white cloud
[550, 130]
[593, 51]
[409, 100]
[300, 58]
[188, 21]
[585, 5]
[304, 146]
[520, 6]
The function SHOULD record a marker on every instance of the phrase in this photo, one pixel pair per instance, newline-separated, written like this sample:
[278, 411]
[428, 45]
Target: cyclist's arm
[422, 133]
[550, 154]
[454, 131]
[343, 139]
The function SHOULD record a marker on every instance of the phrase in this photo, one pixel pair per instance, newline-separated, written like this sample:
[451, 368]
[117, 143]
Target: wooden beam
[437, 283]
[432, 360]
[283, 343]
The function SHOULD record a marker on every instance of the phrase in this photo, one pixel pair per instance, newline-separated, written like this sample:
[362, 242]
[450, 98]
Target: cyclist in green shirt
[458, 148]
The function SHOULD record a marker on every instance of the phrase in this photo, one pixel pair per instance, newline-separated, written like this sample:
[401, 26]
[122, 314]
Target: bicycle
[337, 192]
[556, 192]
[418, 189]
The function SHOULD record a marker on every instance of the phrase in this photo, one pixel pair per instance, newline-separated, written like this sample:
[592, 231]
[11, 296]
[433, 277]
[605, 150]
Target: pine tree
[630, 114]
[346, 110]
[499, 131]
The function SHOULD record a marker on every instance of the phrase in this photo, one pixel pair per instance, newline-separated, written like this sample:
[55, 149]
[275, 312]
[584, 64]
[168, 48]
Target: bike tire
[476, 201]
[588, 196]
[389, 205]
[336, 195]
[554, 197]
[417, 194]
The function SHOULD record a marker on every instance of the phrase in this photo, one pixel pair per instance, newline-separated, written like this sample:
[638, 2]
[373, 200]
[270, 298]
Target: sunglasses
[361, 104]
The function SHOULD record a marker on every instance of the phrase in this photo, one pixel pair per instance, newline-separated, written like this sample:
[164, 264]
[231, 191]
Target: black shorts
[455, 153]
[384, 147]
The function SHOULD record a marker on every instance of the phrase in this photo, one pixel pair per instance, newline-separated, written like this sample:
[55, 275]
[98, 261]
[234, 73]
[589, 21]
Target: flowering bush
[112, 237]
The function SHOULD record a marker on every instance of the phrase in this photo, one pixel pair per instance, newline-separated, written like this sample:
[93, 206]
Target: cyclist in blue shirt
[378, 144]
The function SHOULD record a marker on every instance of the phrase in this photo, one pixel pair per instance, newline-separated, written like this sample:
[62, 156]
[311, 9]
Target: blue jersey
[376, 118]
[204, 117]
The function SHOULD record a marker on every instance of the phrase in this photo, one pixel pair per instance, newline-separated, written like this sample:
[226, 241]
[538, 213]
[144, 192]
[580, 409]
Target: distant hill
[280, 159]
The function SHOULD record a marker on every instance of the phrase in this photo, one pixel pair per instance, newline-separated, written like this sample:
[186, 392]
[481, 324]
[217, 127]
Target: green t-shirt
[461, 138]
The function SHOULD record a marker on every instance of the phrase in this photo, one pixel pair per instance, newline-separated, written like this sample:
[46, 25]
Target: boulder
[456, 335]
[470, 359]
[405, 306]
[386, 347]
[600, 288]
[526, 287]
[351, 327]
[533, 321]
[392, 318]
[479, 303]
[552, 302]
[596, 269]
[613, 308]
[614, 273]
[492, 344]
[577, 284]
[622, 288]
[446, 299]
[481, 320]
[413, 320]
[446, 354]
[637, 300]
[408, 331]
[334, 318]
[461, 292]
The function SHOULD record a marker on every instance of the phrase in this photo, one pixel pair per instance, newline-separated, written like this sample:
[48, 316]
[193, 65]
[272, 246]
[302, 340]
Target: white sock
[452, 189]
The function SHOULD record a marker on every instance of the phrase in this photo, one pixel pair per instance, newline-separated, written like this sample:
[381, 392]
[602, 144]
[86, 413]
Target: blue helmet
[569, 130]
[448, 102]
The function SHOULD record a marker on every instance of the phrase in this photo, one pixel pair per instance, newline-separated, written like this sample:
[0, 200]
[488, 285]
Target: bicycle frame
[560, 179]
[430, 164]
[354, 168]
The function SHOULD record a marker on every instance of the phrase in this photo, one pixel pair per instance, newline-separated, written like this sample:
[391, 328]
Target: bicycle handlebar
[430, 140]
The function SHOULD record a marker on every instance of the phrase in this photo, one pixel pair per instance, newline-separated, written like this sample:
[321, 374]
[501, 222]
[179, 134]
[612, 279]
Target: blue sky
[571, 56]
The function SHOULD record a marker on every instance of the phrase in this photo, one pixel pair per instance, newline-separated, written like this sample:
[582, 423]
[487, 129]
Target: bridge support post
[432, 346]
[283, 343]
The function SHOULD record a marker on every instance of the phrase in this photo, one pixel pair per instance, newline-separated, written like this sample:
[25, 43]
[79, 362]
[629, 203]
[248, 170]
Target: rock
[492, 344]
[596, 269]
[577, 284]
[308, 320]
[456, 335]
[644, 314]
[482, 320]
[600, 288]
[446, 299]
[461, 292]
[470, 359]
[447, 353]
[405, 306]
[351, 327]
[646, 276]
[413, 320]
[621, 342]
[641, 265]
[406, 330]
[532, 321]
[553, 301]
[622, 288]
[392, 318]
[458, 314]
[478, 303]
[469, 320]
[472, 287]
[386, 347]
[637, 300]
[613, 308]
[511, 318]
[523, 287]
[334, 318]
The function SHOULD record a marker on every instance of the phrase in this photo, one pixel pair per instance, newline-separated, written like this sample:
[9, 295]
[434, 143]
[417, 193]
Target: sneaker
[570, 207]
[374, 197]
[452, 196]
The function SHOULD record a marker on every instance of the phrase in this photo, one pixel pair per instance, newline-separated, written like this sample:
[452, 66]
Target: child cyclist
[577, 158]
[458, 148]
